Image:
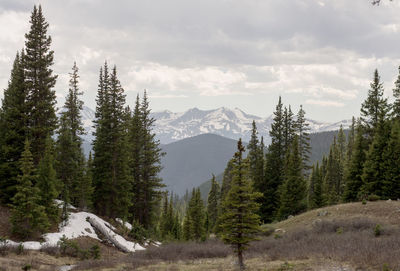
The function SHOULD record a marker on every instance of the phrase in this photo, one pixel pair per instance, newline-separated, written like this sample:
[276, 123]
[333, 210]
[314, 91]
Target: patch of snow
[60, 204]
[77, 226]
[125, 224]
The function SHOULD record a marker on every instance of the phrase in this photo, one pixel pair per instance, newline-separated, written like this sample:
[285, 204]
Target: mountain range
[199, 143]
[231, 123]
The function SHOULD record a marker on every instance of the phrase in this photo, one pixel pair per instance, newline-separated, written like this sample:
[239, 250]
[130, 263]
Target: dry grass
[387, 212]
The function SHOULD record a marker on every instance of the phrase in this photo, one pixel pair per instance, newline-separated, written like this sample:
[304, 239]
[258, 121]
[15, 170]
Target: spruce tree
[72, 122]
[212, 203]
[354, 172]
[333, 177]
[350, 141]
[374, 107]
[240, 222]
[303, 131]
[289, 129]
[39, 83]
[47, 182]
[146, 148]
[28, 217]
[374, 169]
[197, 216]
[391, 162]
[293, 192]
[112, 195]
[315, 193]
[13, 129]
[396, 94]
[274, 165]
[256, 159]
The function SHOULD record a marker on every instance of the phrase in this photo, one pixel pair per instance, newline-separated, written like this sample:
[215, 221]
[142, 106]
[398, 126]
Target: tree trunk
[107, 234]
[240, 259]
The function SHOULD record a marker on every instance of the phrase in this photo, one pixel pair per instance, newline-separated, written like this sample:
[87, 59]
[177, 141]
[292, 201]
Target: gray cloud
[317, 52]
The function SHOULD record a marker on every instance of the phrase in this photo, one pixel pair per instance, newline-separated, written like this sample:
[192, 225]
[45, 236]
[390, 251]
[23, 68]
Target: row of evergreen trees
[41, 157]
[366, 165]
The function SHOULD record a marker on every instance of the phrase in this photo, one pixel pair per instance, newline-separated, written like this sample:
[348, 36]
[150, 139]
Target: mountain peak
[223, 121]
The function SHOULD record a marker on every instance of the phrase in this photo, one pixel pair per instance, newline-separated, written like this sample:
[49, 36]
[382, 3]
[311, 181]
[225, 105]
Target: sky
[214, 53]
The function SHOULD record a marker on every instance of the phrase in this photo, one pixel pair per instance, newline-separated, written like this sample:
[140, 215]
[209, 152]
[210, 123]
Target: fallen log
[107, 234]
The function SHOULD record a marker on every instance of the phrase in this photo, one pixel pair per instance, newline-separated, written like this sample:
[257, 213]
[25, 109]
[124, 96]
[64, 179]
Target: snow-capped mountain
[230, 123]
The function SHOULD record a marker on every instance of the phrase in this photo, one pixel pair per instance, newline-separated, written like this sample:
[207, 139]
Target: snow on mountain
[230, 123]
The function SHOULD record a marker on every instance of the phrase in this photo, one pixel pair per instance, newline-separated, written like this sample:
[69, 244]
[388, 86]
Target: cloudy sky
[213, 53]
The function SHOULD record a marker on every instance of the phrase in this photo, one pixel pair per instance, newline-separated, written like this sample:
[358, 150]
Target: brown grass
[387, 212]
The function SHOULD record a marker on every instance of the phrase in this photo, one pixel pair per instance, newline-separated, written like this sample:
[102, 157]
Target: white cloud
[324, 103]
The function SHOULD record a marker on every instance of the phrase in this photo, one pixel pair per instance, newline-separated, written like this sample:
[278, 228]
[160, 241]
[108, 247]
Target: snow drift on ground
[77, 226]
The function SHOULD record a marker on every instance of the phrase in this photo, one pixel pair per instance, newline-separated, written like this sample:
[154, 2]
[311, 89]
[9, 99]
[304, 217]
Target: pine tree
[112, 195]
[256, 159]
[47, 182]
[72, 120]
[303, 131]
[225, 187]
[240, 222]
[212, 203]
[28, 217]
[396, 94]
[354, 172]
[374, 107]
[274, 164]
[315, 194]
[374, 170]
[391, 162]
[151, 154]
[350, 141]
[197, 216]
[13, 129]
[65, 162]
[39, 83]
[289, 129]
[333, 176]
[293, 192]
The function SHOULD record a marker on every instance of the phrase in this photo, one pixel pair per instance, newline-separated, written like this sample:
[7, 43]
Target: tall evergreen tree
[72, 120]
[354, 172]
[374, 107]
[212, 203]
[47, 182]
[274, 165]
[13, 129]
[374, 170]
[303, 131]
[293, 192]
[112, 195]
[350, 141]
[150, 156]
[396, 94]
[333, 177]
[256, 159]
[289, 129]
[315, 193]
[197, 216]
[240, 222]
[391, 162]
[28, 217]
[39, 83]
